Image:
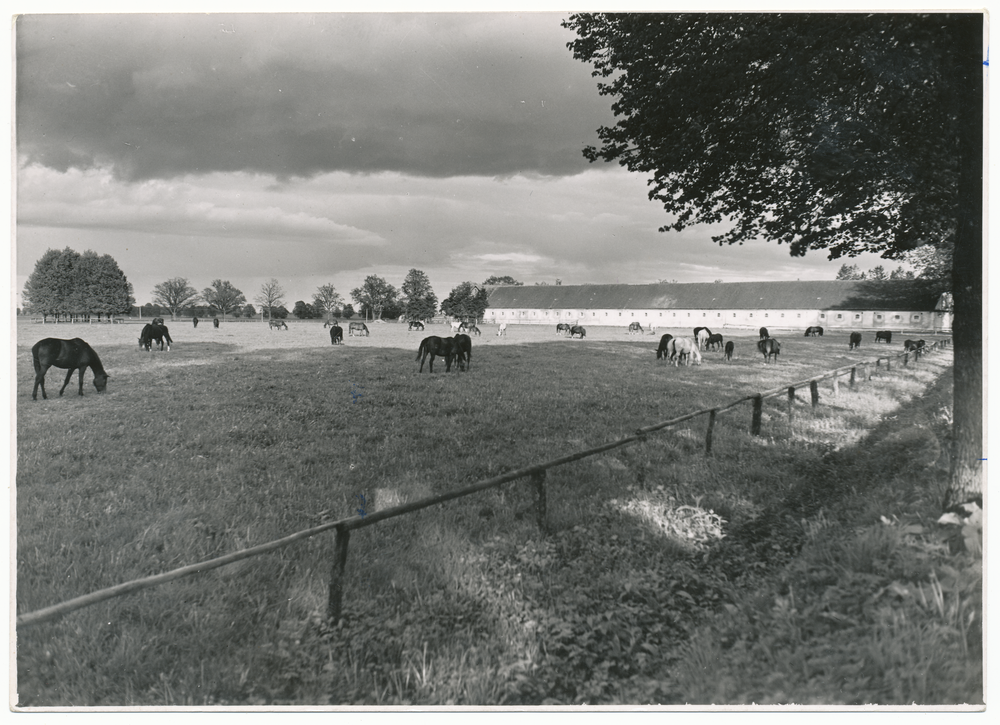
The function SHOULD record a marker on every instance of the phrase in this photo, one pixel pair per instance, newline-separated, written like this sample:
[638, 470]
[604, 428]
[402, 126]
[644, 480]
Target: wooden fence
[535, 473]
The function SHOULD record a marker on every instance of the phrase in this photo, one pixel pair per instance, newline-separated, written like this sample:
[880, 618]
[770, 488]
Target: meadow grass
[242, 435]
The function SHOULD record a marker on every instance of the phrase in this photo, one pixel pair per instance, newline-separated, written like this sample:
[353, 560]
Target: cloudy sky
[318, 148]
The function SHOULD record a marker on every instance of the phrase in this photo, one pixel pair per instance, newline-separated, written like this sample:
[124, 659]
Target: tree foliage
[67, 282]
[420, 302]
[466, 301]
[304, 311]
[175, 294]
[326, 300]
[223, 296]
[845, 132]
[505, 280]
[271, 295]
[374, 295]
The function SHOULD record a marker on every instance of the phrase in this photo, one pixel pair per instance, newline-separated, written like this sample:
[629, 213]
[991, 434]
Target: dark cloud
[158, 96]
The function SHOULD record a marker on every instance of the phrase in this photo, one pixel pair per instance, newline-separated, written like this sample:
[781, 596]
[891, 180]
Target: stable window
[878, 317]
[782, 314]
[857, 317]
[840, 317]
[718, 314]
[765, 314]
[822, 316]
[916, 318]
[751, 314]
[895, 317]
[689, 314]
[734, 314]
[798, 314]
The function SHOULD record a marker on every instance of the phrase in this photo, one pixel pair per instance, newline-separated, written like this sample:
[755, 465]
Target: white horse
[683, 347]
[457, 326]
[502, 330]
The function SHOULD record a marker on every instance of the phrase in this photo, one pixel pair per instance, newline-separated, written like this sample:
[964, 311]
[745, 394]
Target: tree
[850, 271]
[305, 311]
[466, 301]
[374, 295]
[348, 311]
[933, 262]
[505, 280]
[279, 313]
[326, 300]
[271, 295]
[420, 302]
[845, 132]
[877, 273]
[175, 294]
[67, 282]
[900, 273]
[222, 296]
[249, 312]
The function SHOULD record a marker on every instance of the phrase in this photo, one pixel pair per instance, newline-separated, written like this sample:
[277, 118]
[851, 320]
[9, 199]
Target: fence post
[708, 435]
[337, 574]
[878, 365]
[758, 409]
[836, 385]
[538, 480]
[888, 364]
[814, 392]
[791, 404]
[906, 359]
[854, 372]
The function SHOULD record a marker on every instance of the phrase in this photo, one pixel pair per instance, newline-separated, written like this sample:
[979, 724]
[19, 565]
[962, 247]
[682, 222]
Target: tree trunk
[967, 276]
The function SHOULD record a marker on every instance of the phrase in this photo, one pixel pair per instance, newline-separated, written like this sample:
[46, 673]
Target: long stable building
[861, 305]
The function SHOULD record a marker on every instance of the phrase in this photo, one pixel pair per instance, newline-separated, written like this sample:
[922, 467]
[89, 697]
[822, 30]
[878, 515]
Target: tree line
[66, 283]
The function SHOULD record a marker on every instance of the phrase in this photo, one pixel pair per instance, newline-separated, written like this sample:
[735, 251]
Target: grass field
[242, 435]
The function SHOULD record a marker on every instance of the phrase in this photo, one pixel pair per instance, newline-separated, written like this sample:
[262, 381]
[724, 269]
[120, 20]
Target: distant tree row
[851, 271]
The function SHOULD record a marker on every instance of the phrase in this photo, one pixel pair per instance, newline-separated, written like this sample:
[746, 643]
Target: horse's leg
[40, 371]
[69, 375]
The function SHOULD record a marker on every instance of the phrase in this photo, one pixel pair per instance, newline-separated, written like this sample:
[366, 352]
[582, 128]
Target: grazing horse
[769, 348]
[855, 340]
[699, 329]
[702, 338]
[662, 349]
[195, 321]
[330, 323]
[634, 328]
[563, 327]
[70, 355]
[473, 329]
[729, 350]
[358, 327]
[920, 344]
[577, 330]
[683, 347]
[154, 332]
[816, 331]
[276, 325]
[909, 345]
[415, 325]
[764, 333]
[457, 326]
[336, 335]
[445, 347]
[157, 320]
[463, 351]
[884, 335]
[215, 322]
[713, 340]
[502, 330]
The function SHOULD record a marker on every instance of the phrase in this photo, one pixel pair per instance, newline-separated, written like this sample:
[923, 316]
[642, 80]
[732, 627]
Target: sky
[323, 148]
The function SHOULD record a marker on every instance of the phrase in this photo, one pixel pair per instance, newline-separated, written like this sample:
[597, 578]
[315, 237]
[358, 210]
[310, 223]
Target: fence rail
[535, 473]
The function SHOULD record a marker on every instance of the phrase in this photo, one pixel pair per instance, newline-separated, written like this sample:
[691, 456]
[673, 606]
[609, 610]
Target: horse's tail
[420, 350]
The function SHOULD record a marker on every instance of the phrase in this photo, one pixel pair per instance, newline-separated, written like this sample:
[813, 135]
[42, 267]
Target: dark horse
[769, 348]
[729, 350]
[855, 340]
[563, 327]
[463, 350]
[816, 331]
[276, 325]
[73, 355]
[713, 340]
[434, 345]
[195, 321]
[763, 333]
[415, 325]
[662, 349]
[215, 321]
[154, 332]
[884, 335]
[577, 330]
[336, 335]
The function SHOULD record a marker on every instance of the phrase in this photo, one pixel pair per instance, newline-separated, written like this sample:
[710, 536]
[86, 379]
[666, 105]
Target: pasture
[242, 434]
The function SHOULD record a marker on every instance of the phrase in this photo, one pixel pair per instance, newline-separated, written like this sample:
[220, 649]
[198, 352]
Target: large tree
[420, 300]
[223, 297]
[326, 299]
[67, 282]
[175, 294]
[271, 295]
[374, 295]
[466, 302]
[845, 132]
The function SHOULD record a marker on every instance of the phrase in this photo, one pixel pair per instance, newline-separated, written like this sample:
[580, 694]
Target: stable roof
[906, 294]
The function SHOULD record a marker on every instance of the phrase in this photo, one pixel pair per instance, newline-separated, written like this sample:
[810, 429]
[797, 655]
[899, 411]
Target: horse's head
[101, 381]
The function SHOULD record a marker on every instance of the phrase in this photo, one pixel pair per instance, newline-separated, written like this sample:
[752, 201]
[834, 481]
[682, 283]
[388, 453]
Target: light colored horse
[703, 336]
[683, 346]
[457, 326]
[502, 330]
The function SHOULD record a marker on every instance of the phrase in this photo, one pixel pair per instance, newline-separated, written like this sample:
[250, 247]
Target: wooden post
[906, 359]
[814, 392]
[836, 385]
[336, 596]
[758, 409]
[538, 479]
[888, 364]
[791, 404]
[708, 435]
[854, 372]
